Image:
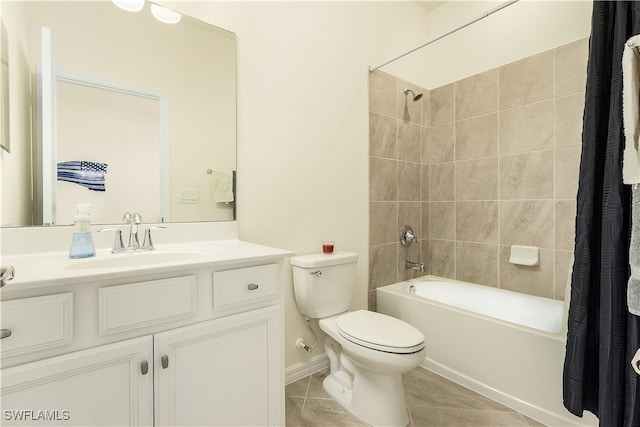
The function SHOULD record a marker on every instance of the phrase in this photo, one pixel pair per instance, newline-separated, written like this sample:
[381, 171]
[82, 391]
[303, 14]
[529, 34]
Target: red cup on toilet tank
[327, 246]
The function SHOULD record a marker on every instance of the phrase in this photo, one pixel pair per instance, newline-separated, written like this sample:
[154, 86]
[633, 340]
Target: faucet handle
[7, 273]
[407, 237]
[136, 218]
[147, 244]
[118, 245]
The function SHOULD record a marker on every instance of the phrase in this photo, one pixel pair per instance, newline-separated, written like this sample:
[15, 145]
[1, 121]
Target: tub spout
[410, 265]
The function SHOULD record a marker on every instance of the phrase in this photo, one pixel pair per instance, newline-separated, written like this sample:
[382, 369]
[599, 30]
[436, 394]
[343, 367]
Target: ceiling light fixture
[129, 5]
[165, 15]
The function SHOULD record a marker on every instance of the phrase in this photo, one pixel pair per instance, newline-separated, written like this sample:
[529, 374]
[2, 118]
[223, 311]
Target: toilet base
[375, 399]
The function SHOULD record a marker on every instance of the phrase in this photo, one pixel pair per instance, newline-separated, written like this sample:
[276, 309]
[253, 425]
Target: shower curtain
[602, 335]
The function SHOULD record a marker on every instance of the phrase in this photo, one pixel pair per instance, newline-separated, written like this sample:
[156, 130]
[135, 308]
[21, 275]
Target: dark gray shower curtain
[602, 335]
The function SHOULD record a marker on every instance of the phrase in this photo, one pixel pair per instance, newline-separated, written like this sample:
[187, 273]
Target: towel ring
[209, 171]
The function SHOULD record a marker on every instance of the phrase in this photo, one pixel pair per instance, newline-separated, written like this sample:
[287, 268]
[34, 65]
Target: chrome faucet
[134, 220]
[410, 265]
[147, 244]
[407, 237]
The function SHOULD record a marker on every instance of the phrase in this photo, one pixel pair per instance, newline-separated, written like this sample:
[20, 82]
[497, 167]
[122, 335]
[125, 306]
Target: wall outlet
[189, 197]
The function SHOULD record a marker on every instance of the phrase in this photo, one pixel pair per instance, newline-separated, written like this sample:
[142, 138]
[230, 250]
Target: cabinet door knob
[252, 286]
[5, 333]
[165, 362]
[144, 367]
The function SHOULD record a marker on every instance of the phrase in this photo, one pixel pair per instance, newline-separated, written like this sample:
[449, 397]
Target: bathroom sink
[135, 259]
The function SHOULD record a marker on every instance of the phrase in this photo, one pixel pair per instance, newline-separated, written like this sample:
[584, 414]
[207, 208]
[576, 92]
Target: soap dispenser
[82, 242]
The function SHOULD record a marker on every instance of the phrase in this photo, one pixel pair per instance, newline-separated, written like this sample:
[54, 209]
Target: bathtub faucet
[410, 265]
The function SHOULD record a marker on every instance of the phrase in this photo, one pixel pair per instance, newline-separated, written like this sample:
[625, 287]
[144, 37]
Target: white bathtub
[507, 346]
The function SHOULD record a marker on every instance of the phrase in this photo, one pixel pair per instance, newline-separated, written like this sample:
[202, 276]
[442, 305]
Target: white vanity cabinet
[98, 386]
[224, 372]
[194, 346]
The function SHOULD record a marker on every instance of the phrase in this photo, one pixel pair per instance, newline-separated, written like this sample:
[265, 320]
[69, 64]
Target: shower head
[416, 96]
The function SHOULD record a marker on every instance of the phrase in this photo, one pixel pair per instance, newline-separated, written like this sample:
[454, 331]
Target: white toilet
[368, 352]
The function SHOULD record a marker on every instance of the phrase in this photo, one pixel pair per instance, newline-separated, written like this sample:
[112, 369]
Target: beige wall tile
[568, 120]
[571, 67]
[426, 209]
[477, 95]
[477, 137]
[477, 221]
[426, 107]
[441, 182]
[477, 263]
[409, 213]
[383, 260]
[526, 81]
[425, 138]
[532, 280]
[383, 179]
[382, 93]
[441, 258]
[382, 221]
[527, 222]
[441, 144]
[442, 220]
[409, 181]
[567, 171]
[527, 128]
[425, 182]
[564, 266]
[528, 152]
[424, 248]
[441, 105]
[409, 142]
[373, 301]
[382, 136]
[565, 224]
[527, 176]
[477, 179]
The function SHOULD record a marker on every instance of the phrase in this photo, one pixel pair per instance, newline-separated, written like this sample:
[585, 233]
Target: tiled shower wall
[476, 166]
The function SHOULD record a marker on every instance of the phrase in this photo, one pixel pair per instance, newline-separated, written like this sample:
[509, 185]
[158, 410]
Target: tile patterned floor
[432, 401]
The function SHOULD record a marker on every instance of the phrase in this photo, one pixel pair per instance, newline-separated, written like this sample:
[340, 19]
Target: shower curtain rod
[438, 37]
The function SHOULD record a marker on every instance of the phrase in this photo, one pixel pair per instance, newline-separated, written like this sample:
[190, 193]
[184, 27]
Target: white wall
[303, 127]
[520, 30]
[15, 167]
[303, 123]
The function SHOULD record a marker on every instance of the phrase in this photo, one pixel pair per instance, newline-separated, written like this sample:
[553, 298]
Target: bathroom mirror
[163, 152]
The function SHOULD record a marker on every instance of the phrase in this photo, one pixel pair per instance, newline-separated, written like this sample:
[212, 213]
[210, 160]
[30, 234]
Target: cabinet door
[99, 386]
[225, 372]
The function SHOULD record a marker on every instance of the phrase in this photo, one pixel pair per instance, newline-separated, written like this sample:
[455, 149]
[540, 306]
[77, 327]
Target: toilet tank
[323, 283]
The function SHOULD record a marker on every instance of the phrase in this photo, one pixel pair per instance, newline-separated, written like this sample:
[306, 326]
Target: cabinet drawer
[233, 288]
[137, 305]
[36, 323]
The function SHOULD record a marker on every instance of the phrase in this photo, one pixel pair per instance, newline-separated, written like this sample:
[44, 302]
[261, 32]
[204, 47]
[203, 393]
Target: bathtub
[507, 346]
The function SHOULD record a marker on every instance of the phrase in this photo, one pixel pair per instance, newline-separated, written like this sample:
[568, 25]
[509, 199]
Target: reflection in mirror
[151, 105]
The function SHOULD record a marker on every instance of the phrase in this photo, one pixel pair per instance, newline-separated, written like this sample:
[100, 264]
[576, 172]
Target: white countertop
[55, 268]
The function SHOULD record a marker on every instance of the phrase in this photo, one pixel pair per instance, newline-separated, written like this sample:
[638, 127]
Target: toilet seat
[380, 332]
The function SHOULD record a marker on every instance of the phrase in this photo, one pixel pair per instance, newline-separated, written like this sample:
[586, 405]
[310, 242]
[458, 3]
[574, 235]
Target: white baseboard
[301, 370]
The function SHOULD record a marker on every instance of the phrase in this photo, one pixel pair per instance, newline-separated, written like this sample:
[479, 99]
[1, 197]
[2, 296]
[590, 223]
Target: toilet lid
[380, 332]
